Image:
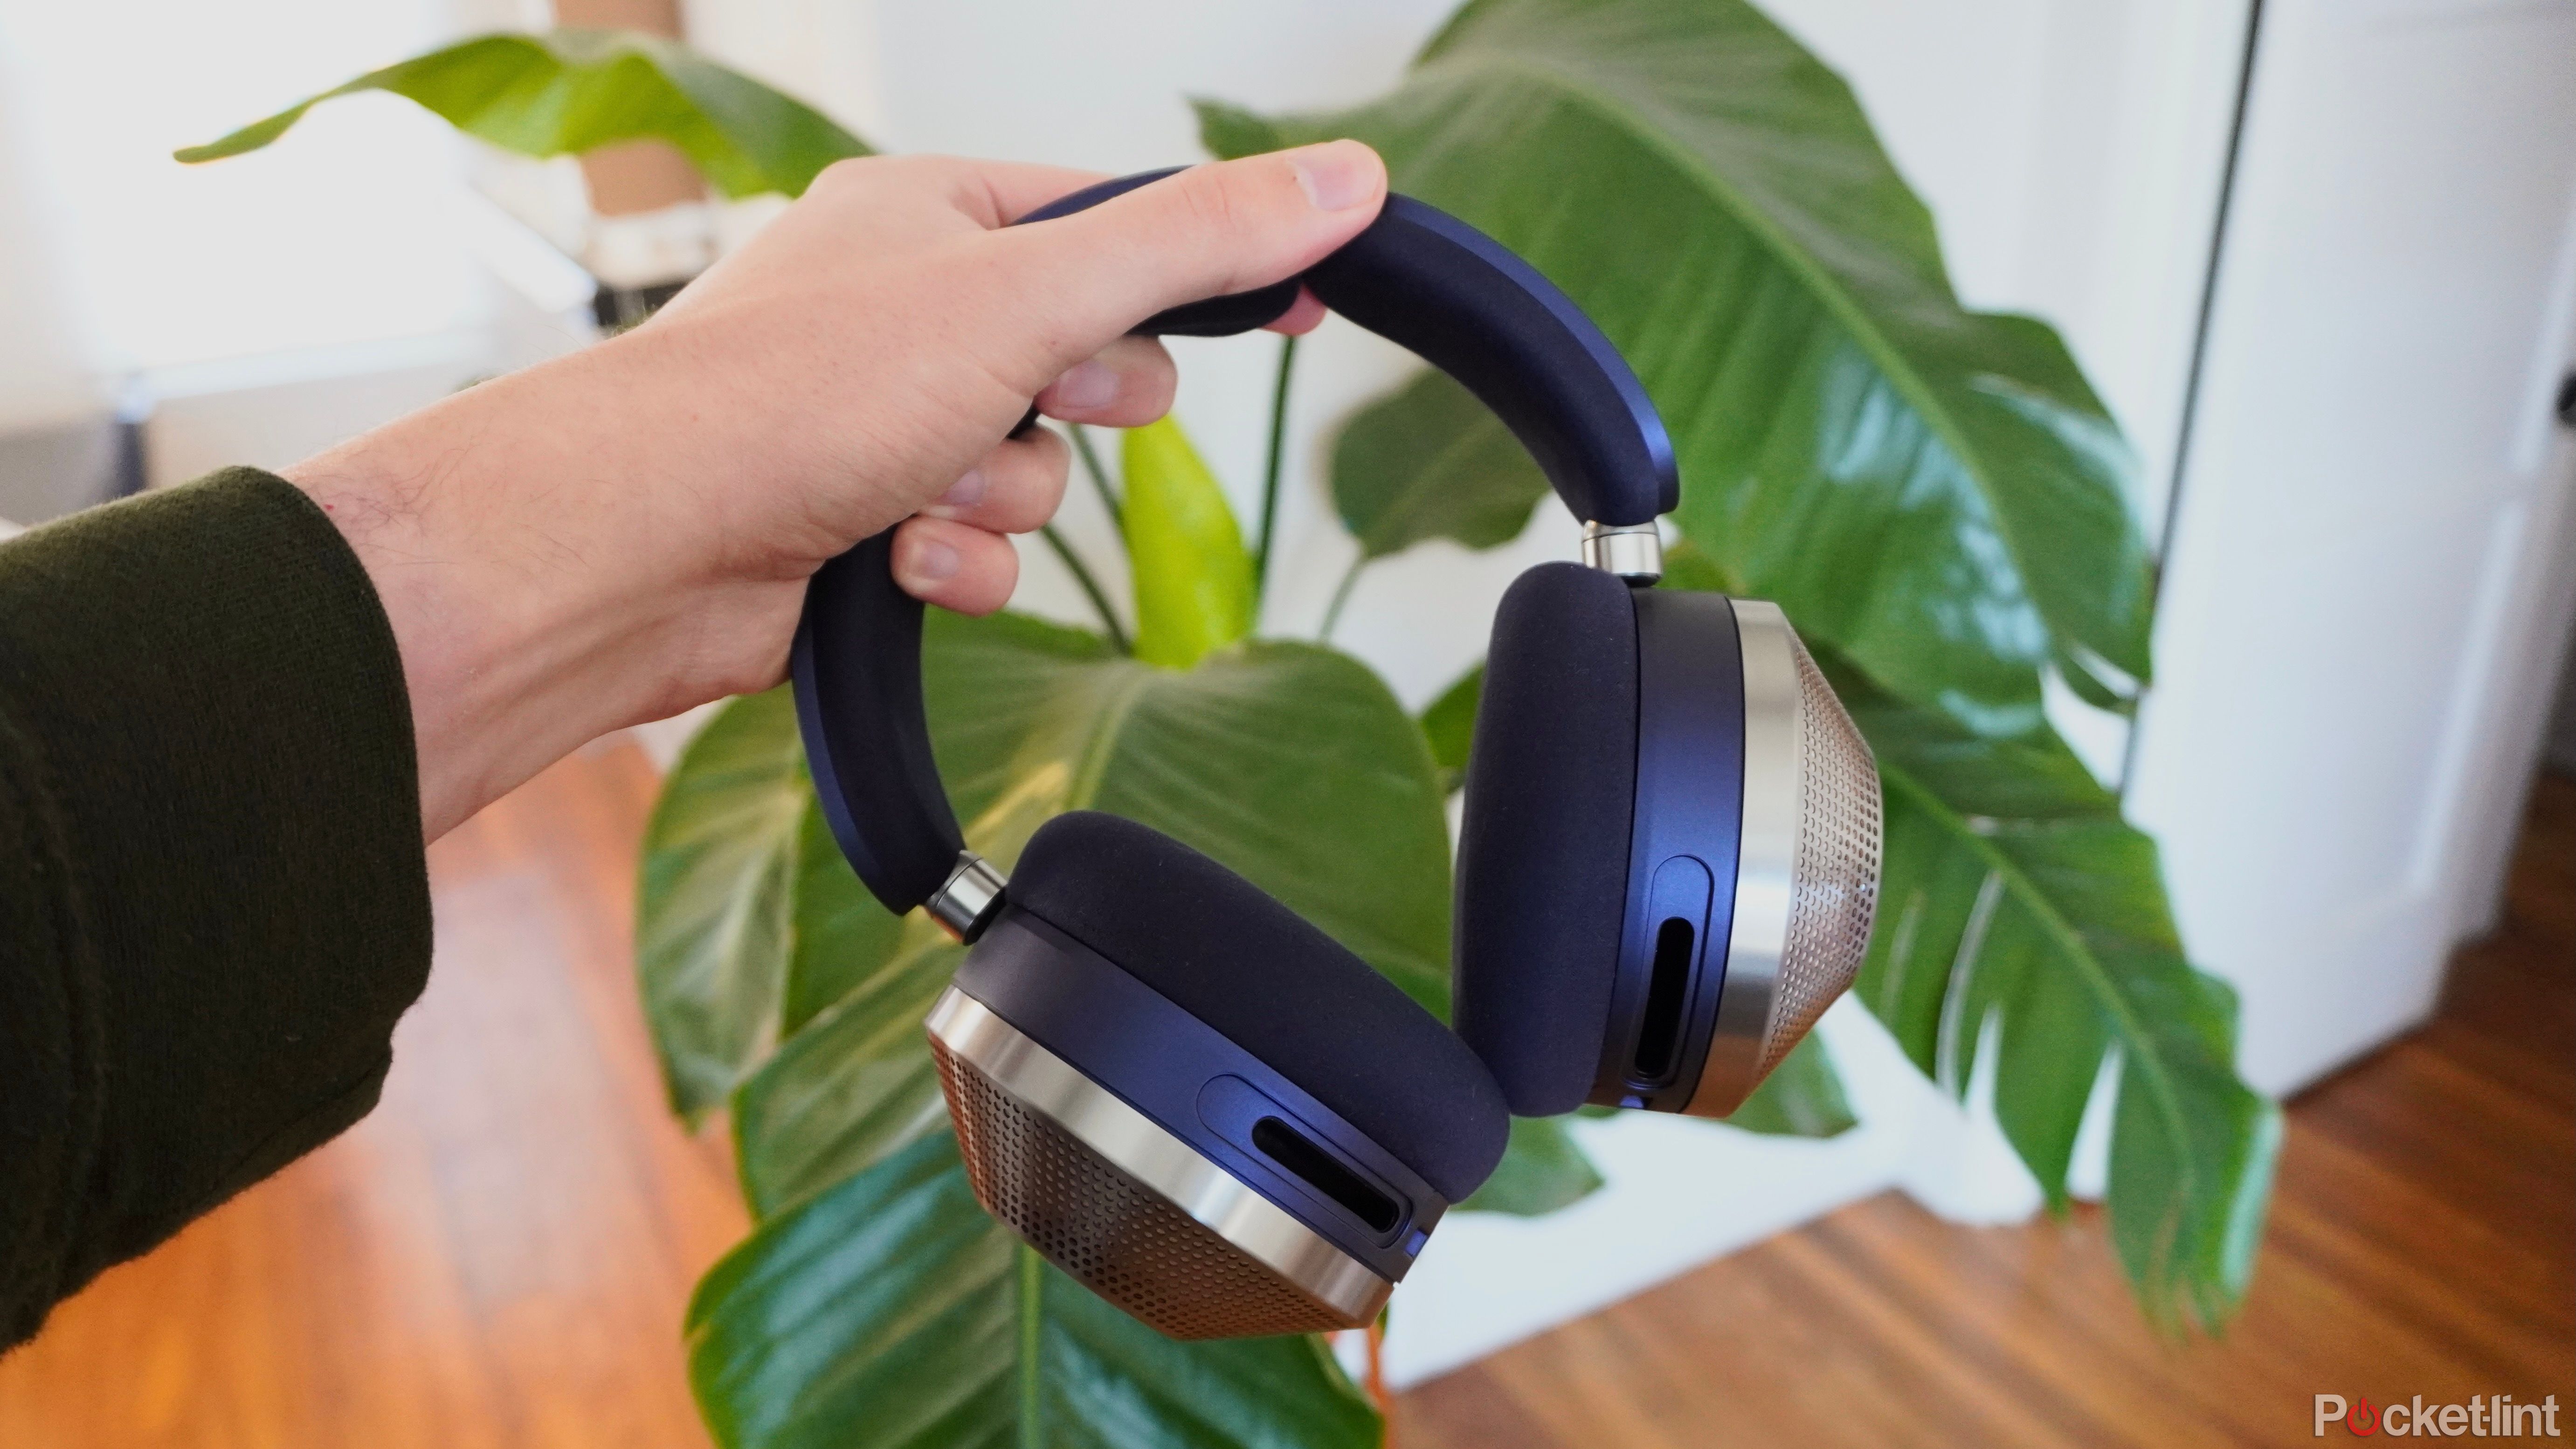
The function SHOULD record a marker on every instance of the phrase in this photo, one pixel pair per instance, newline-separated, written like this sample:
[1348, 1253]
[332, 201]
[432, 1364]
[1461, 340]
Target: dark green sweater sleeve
[213, 896]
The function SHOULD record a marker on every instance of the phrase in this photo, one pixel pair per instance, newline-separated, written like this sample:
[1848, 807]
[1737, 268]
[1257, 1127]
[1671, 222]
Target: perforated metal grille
[1833, 880]
[1112, 1234]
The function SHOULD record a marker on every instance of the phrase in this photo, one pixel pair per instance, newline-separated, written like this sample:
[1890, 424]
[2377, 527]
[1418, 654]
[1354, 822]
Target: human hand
[625, 532]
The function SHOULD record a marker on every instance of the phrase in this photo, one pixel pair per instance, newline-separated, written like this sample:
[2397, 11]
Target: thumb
[1229, 226]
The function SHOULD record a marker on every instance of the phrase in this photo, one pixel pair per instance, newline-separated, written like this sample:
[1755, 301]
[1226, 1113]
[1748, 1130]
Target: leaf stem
[1098, 474]
[1032, 1287]
[1270, 469]
[1090, 587]
[1341, 596]
[1378, 1392]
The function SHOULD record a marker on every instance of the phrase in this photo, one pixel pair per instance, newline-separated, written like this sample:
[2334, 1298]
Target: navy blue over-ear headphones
[1198, 1104]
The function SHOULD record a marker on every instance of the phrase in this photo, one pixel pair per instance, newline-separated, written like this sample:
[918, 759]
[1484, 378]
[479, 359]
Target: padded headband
[1416, 276]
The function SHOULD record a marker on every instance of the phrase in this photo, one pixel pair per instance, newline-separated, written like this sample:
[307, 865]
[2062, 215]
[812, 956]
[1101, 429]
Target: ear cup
[1226, 952]
[1543, 857]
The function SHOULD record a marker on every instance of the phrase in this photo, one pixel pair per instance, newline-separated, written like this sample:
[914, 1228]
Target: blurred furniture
[48, 471]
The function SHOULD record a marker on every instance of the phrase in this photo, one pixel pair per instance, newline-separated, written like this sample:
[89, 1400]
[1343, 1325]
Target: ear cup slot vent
[1667, 992]
[1290, 1148]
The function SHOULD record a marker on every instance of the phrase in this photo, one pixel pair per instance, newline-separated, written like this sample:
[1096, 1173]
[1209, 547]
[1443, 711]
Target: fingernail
[1336, 174]
[963, 494]
[932, 562]
[1087, 385]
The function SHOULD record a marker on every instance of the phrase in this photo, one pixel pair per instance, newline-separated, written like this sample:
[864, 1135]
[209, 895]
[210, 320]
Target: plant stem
[1032, 1287]
[1378, 1392]
[1270, 469]
[1099, 476]
[1090, 587]
[1341, 596]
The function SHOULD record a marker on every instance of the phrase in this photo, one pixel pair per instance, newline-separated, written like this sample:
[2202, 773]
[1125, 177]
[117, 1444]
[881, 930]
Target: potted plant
[1934, 495]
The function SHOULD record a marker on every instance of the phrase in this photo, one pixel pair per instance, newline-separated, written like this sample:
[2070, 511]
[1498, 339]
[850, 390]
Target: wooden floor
[2423, 1241]
[499, 1255]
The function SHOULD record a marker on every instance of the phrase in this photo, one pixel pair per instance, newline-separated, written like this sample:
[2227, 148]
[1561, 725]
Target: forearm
[541, 559]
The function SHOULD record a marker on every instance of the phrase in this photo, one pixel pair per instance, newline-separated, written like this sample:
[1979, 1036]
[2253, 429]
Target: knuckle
[848, 174]
[1214, 202]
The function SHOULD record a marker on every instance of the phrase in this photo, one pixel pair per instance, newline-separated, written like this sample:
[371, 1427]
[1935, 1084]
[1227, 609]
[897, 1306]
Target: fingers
[1303, 315]
[954, 554]
[1127, 385]
[955, 565]
[1226, 227]
[993, 193]
[1015, 488]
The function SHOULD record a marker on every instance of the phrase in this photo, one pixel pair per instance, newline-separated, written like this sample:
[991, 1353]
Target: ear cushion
[1543, 858]
[1256, 971]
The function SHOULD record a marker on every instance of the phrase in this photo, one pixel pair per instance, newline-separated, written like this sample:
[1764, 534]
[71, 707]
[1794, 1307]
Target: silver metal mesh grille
[1109, 1232]
[1833, 883]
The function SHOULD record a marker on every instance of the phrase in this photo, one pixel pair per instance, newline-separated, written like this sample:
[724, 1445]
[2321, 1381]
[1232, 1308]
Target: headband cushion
[1543, 857]
[1264, 977]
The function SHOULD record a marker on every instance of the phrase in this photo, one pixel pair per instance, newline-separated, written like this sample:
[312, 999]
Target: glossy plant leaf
[1541, 1171]
[1194, 589]
[1688, 566]
[570, 91]
[840, 930]
[2014, 893]
[1449, 725]
[1934, 491]
[1801, 1098]
[714, 912]
[1429, 461]
[858, 1082]
[853, 1085]
[889, 1311]
[984, 679]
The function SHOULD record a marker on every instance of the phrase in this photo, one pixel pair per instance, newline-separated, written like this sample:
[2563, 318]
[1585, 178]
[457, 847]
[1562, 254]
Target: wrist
[550, 575]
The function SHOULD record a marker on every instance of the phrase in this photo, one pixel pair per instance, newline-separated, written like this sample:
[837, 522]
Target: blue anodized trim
[1688, 824]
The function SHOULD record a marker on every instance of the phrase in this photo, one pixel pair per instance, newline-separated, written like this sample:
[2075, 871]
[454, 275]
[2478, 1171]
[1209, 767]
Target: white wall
[328, 237]
[46, 374]
[258, 309]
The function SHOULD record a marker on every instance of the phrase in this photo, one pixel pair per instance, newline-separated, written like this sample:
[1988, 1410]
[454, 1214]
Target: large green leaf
[889, 1311]
[1194, 589]
[841, 933]
[1544, 1170]
[986, 679]
[1449, 726]
[857, 1082]
[2013, 893]
[1803, 1097]
[1935, 491]
[1541, 1172]
[569, 91]
[714, 905]
[1428, 461]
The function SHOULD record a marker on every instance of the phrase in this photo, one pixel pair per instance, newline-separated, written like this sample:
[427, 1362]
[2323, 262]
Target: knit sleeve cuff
[217, 805]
